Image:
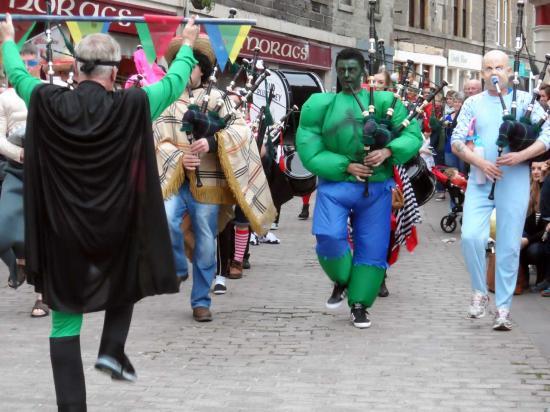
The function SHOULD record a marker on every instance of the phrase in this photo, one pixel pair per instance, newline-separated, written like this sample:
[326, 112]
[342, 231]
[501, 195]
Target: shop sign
[81, 8]
[285, 49]
[464, 60]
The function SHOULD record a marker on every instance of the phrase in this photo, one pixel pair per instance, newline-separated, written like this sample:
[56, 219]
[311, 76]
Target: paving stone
[274, 346]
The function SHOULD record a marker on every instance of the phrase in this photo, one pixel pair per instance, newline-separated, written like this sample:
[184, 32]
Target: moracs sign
[285, 49]
[82, 8]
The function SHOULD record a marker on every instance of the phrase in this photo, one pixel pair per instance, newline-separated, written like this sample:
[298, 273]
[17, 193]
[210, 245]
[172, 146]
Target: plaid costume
[232, 175]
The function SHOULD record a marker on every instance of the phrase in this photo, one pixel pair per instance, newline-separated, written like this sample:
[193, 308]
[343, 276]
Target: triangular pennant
[216, 41]
[29, 28]
[229, 35]
[82, 28]
[162, 30]
[74, 29]
[146, 41]
[239, 42]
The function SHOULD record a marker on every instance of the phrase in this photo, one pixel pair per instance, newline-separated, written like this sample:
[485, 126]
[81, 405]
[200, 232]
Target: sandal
[39, 305]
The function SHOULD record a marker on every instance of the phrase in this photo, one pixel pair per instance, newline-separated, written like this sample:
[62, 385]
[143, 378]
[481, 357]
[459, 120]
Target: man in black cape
[96, 236]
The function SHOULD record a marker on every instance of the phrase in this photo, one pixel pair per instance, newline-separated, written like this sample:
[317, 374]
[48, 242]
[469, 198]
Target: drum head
[281, 97]
[295, 168]
[301, 180]
[422, 180]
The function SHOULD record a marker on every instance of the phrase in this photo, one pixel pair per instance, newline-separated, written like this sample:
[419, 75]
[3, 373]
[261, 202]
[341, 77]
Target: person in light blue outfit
[511, 170]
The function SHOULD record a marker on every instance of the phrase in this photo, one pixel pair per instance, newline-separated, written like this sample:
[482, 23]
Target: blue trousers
[370, 222]
[511, 200]
[12, 222]
[204, 218]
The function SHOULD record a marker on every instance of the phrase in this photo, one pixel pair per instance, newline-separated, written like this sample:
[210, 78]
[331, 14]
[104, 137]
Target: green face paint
[350, 74]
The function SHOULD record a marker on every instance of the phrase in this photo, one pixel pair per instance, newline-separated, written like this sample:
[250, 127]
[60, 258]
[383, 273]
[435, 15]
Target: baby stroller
[455, 186]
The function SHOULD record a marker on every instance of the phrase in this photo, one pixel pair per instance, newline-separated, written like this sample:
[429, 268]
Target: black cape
[96, 234]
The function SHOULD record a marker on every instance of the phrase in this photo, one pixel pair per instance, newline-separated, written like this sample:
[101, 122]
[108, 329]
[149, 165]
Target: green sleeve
[309, 142]
[16, 72]
[408, 143]
[165, 92]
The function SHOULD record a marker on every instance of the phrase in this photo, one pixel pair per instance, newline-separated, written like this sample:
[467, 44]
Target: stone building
[449, 37]
[327, 24]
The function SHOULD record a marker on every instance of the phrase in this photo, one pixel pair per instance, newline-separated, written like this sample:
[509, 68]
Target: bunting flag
[146, 41]
[162, 29]
[82, 28]
[234, 37]
[216, 41]
[26, 35]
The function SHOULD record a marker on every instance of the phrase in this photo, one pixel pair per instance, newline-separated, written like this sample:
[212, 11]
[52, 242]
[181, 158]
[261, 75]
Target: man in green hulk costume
[330, 144]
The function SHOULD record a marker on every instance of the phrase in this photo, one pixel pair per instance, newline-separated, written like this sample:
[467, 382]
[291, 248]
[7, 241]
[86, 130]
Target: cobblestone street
[274, 347]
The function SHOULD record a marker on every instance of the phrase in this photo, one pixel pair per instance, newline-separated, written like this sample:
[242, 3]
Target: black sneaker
[246, 264]
[337, 297]
[118, 369]
[304, 214]
[359, 316]
[219, 287]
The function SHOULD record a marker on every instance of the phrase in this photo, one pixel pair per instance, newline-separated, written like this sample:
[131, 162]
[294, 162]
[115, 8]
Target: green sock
[65, 324]
[338, 269]
[364, 284]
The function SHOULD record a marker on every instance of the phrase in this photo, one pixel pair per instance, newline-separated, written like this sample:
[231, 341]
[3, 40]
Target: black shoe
[359, 316]
[337, 297]
[304, 214]
[246, 264]
[119, 370]
[383, 292]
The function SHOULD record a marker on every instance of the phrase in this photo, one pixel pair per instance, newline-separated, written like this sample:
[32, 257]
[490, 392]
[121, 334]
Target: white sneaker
[274, 226]
[270, 238]
[219, 286]
[478, 305]
[254, 239]
[502, 320]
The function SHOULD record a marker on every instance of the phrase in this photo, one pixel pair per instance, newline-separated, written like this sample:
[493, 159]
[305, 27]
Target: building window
[439, 73]
[411, 12]
[455, 17]
[423, 13]
[464, 18]
[345, 5]
[503, 29]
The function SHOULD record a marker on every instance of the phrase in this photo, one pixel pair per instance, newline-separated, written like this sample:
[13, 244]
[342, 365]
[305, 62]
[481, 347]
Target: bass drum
[422, 180]
[301, 180]
[292, 88]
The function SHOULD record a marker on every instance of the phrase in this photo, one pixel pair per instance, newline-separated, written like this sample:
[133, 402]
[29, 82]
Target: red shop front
[124, 33]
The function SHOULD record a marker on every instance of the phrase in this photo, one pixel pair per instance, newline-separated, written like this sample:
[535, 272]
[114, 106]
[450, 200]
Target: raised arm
[163, 93]
[17, 74]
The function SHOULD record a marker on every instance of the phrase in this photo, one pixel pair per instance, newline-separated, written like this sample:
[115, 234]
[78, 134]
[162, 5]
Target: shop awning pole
[123, 19]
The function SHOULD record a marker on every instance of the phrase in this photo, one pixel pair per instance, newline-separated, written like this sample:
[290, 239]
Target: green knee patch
[364, 284]
[338, 269]
[65, 324]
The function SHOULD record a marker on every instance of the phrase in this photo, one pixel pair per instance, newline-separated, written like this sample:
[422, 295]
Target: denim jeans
[204, 218]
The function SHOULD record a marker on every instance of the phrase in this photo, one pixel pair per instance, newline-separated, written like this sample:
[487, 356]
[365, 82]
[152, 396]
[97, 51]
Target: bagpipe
[514, 134]
[200, 122]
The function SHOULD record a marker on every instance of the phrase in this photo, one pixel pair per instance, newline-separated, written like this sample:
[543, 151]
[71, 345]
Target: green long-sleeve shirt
[330, 135]
[160, 94]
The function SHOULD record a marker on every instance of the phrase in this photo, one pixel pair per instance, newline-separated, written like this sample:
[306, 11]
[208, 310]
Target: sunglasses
[31, 62]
